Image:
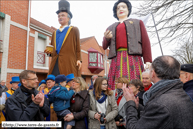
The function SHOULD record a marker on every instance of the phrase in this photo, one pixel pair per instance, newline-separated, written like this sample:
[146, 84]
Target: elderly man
[186, 76]
[146, 80]
[26, 104]
[14, 85]
[3, 86]
[166, 103]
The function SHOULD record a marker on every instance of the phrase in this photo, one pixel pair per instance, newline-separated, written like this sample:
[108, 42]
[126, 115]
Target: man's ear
[23, 81]
[187, 76]
[153, 74]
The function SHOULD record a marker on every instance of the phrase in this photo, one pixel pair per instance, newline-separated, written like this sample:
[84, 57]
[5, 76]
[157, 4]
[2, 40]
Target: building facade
[23, 41]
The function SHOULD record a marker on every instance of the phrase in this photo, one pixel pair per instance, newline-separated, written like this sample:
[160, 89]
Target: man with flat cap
[186, 76]
[66, 54]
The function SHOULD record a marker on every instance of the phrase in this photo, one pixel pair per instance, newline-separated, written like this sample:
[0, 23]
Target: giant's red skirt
[124, 65]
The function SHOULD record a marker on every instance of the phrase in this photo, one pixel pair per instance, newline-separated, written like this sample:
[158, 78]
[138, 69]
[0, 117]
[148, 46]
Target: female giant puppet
[128, 41]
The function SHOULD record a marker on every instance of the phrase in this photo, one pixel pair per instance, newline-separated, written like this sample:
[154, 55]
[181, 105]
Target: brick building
[23, 40]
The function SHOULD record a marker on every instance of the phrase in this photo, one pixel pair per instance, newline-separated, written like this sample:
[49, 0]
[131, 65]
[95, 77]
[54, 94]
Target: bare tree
[184, 53]
[173, 18]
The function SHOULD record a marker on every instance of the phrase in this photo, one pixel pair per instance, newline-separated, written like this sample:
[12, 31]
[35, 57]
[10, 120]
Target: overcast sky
[91, 17]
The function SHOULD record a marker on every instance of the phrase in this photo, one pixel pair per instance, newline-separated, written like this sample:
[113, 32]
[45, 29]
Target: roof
[85, 39]
[42, 25]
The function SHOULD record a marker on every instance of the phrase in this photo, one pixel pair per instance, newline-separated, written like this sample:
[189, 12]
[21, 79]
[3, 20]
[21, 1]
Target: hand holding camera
[102, 118]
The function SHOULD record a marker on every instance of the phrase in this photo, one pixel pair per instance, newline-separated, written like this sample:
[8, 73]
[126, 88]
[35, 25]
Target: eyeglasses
[105, 84]
[33, 79]
[76, 81]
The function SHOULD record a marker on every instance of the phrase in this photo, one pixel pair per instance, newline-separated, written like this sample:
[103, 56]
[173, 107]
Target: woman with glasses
[79, 105]
[103, 107]
[118, 93]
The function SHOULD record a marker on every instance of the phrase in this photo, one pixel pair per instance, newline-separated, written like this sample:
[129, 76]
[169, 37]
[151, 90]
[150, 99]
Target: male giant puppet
[128, 41]
[66, 55]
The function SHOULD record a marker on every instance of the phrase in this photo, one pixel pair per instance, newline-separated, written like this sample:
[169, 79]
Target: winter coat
[169, 108]
[80, 109]
[188, 87]
[60, 97]
[17, 109]
[111, 113]
[68, 55]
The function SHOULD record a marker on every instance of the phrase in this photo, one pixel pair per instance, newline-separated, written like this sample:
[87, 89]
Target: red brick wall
[9, 76]
[17, 48]
[17, 9]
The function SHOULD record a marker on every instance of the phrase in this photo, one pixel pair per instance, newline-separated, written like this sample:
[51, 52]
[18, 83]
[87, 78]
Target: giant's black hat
[64, 6]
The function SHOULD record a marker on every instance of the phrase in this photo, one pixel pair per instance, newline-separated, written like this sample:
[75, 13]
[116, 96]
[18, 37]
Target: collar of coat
[177, 85]
[20, 96]
[83, 94]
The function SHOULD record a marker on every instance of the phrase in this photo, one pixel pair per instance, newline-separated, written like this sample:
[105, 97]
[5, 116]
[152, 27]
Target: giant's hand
[49, 49]
[108, 34]
[147, 65]
[78, 63]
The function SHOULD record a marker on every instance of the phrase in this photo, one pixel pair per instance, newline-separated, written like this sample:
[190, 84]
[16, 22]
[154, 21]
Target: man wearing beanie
[66, 44]
[60, 97]
[186, 76]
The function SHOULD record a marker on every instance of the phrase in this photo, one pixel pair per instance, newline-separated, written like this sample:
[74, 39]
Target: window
[40, 52]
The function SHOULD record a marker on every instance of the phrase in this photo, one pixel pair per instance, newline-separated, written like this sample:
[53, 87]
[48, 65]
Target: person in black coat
[27, 104]
[186, 76]
[166, 104]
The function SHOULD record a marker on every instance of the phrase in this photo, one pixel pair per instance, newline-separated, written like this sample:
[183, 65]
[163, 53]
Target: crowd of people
[162, 99]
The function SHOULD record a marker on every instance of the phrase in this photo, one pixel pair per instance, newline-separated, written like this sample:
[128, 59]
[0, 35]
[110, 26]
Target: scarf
[29, 93]
[156, 87]
[73, 99]
[119, 93]
[101, 100]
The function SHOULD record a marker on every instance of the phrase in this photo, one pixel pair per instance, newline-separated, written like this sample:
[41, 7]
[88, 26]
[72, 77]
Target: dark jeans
[63, 114]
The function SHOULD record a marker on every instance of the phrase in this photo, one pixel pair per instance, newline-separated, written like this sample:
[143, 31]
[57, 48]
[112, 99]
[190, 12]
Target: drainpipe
[28, 29]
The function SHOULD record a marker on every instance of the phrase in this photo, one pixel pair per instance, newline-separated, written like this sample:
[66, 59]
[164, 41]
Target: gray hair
[69, 22]
[146, 71]
[94, 76]
[166, 67]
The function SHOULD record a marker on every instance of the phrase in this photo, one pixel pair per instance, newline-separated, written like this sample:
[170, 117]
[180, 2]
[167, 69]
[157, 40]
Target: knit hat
[60, 78]
[187, 68]
[70, 77]
[50, 77]
[14, 79]
[42, 82]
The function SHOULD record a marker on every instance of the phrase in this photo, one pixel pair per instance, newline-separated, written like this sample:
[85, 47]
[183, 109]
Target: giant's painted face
[63, 18]
[122, 10]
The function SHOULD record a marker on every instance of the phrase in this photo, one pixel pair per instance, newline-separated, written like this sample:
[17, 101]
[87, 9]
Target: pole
[105, 62]
[157, 34]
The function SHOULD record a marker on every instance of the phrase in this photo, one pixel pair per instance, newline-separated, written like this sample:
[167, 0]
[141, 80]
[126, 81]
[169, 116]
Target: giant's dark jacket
[17, 109]
[169, 108]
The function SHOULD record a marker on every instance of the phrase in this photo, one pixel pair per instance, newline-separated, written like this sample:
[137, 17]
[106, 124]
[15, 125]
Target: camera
[102, 120]
[119, 118]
